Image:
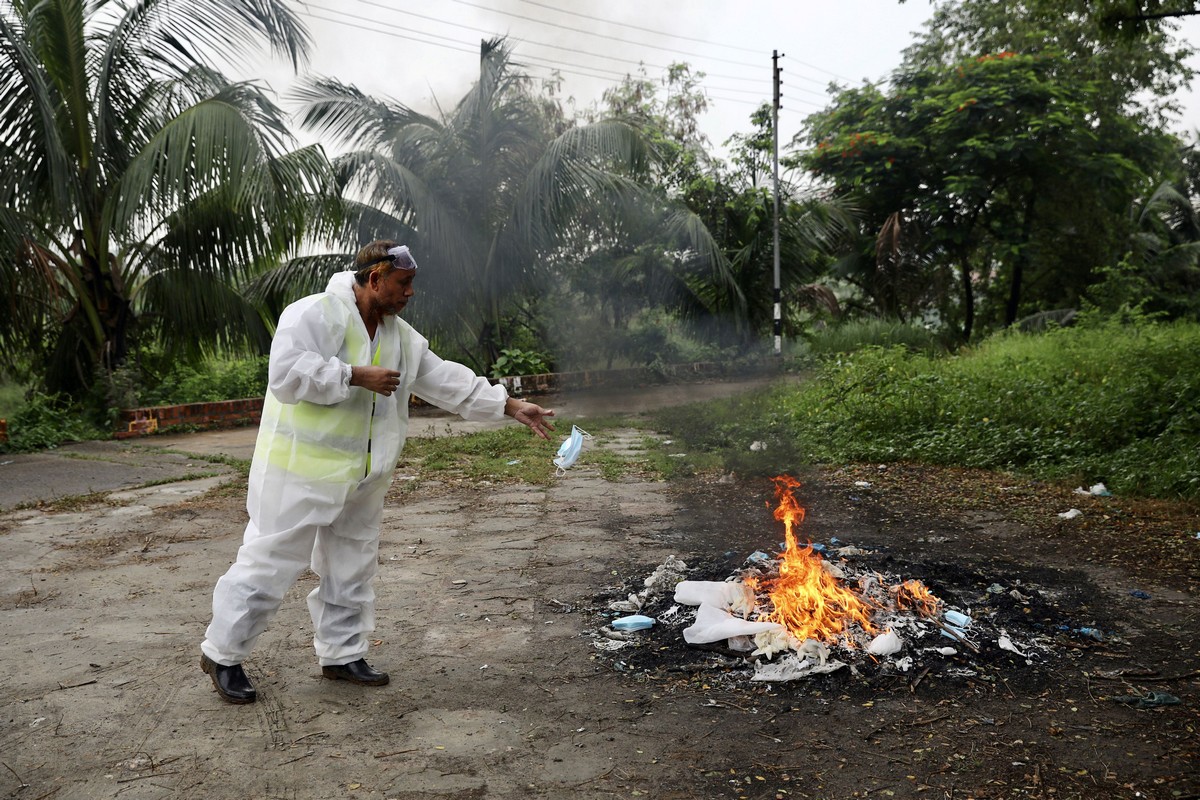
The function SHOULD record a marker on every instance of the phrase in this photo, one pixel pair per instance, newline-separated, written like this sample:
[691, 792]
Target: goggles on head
[400, 257]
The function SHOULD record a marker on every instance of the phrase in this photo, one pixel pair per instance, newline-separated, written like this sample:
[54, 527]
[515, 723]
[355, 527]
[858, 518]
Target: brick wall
[223, 414]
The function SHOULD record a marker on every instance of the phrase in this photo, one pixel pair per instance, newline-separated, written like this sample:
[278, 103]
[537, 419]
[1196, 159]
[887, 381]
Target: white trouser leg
[249, 594]
[346, 557]
[343, 604]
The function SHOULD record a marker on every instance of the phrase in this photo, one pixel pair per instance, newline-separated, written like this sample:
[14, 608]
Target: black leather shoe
[231, 682]
[359, 672]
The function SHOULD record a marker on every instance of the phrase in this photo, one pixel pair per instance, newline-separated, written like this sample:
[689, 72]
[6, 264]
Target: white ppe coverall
[323, 461]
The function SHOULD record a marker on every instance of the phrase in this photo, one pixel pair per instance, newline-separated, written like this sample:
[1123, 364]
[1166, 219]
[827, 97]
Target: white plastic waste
[791, 667]
[1006, 644]
[885, 644]
[714, 624]
[1072, 514]
[722, 594]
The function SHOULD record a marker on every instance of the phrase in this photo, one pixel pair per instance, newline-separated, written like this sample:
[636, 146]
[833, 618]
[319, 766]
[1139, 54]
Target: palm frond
[36, 161]
[343, 113]
[293, 279]
[194, 313]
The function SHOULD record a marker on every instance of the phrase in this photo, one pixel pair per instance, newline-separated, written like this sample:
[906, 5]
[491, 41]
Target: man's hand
[381, 380]
[531, 416]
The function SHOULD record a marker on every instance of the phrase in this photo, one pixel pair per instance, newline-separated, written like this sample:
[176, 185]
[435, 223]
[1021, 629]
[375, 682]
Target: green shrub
[519, 362]
[48, 421]
[1113, 403]
[210, 382]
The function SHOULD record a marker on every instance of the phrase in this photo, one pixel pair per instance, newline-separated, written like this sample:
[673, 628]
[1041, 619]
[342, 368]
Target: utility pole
[775, 70]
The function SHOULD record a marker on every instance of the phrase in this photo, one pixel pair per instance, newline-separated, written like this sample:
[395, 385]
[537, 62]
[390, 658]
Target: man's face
[393, 289]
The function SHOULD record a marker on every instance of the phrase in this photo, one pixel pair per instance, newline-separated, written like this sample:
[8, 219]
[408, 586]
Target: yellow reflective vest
[319, 436]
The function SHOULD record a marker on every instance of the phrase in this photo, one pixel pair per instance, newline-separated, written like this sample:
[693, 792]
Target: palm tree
[487, 193]
[1165, 246]
[138, 185]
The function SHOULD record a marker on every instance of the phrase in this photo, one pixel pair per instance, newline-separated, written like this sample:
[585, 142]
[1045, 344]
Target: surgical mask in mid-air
[569, 450]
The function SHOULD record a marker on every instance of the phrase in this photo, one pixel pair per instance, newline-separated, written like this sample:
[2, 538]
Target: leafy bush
[519, 362]
[1072, 403]
[210, 382]
[48, 421]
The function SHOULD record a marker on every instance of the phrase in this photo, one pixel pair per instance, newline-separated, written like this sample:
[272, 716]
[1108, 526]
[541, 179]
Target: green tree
[1164, 258]
[138, 185]
[1006, 151]
[995, 167]
[491, 194]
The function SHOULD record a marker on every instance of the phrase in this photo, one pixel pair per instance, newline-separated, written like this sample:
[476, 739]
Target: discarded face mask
[569, 450]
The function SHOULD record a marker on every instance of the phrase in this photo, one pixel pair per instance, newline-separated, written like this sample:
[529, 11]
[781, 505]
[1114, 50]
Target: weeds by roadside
[1114, 404]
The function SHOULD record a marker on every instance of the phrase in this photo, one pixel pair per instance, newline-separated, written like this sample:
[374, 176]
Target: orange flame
[915, 595]
[807, 600]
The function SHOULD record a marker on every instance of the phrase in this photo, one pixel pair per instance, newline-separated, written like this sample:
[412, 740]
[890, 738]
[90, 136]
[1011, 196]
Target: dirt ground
[490, 598]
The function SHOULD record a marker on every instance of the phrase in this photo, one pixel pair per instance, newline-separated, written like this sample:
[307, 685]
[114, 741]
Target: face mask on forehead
[569, 450]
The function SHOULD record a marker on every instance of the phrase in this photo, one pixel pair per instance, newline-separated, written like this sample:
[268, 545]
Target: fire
[914, 594]
[807, 600]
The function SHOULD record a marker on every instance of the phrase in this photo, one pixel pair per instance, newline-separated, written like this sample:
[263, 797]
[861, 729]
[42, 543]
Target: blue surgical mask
[569, 450]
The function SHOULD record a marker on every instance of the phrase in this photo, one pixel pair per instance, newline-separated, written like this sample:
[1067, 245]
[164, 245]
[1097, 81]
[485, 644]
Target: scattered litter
[863, 484]
[791, 667]
[514, 462]
[1092, 633]
[1006, 643]
[758, 446]
[666, 575]
[956, 624]
[1099, 490]
[664, 578]
[995, 588]
[671, 615]
[1139, 594]
[1072, 514]
[1148, 700]
[609, 645]
[631, 603]
[637, 622]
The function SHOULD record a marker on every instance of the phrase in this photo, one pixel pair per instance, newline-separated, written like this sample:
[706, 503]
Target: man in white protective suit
[334, 420]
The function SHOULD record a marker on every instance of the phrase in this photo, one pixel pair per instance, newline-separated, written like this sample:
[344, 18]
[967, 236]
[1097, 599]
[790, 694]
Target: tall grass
[1111, 403]
[854, 335]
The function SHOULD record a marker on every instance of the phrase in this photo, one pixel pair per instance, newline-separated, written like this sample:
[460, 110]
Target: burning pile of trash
[816, 609]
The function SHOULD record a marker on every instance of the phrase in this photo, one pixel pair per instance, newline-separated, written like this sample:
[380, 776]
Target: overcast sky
[423, 52]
